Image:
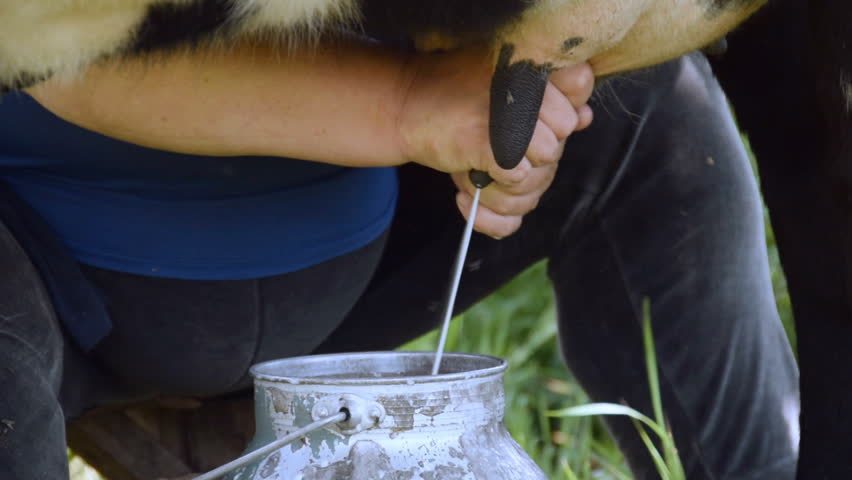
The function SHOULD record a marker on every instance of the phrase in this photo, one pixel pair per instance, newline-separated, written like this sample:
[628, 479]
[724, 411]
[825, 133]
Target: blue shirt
[128, 208]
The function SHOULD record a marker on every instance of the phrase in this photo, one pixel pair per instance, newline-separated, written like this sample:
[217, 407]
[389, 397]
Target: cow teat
[717, 48]
[517, 90]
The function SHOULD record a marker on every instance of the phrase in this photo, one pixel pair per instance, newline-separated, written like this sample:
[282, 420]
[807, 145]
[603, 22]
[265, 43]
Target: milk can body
[412, 425]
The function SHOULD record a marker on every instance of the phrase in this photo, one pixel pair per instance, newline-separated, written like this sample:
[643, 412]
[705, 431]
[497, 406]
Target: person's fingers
[538, 180]
[576, 82]
[515, 181]
[585, 115]
[545, 148]
[488, 222]
[513, 200]
[507, 177]
[518, 203]
[513, 205]
[462, 182]
[557, 112]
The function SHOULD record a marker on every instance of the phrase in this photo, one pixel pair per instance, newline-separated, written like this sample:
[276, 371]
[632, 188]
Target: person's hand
[443, 124]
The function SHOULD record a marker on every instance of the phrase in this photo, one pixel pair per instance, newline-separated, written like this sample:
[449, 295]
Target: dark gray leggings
[655, 200]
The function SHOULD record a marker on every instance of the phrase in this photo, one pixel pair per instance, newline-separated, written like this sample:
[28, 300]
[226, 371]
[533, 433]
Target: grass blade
[662, 469]
[672, 459]
[569, 474]
[594, 409]
[651, 362]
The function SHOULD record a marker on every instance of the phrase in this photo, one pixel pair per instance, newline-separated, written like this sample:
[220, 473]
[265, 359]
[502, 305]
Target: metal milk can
[400, 422]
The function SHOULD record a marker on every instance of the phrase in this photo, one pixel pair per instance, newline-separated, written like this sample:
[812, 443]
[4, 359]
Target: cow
[42, 38]
[39, 38]
[788, 73]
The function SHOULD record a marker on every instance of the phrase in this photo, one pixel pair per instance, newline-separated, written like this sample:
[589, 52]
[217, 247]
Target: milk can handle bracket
[361, 413]
[265, 450]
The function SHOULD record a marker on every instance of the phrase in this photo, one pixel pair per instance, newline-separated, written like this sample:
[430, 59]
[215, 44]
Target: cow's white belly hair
[38, 37]
[41, 36]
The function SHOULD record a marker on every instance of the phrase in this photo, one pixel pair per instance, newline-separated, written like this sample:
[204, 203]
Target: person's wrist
[404, 102]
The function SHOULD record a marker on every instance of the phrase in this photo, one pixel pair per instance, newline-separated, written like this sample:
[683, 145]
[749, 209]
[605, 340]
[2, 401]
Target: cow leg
[792, 109]
[826, 345]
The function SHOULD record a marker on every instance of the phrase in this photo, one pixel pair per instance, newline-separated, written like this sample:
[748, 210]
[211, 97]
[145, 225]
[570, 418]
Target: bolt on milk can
[401, 422]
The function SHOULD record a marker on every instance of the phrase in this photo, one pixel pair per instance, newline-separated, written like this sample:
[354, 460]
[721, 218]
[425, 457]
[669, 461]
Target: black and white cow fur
[788, 73]
[43, 37]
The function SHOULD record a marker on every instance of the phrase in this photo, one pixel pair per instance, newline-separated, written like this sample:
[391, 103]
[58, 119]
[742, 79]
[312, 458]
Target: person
[167, 224]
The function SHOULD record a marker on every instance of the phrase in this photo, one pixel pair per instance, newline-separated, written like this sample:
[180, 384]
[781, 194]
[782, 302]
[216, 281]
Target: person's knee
[32, 424]
[30, 337]
[30, 377]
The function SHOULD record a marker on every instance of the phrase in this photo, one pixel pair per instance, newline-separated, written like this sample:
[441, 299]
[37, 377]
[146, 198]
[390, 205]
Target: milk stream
[454, 286]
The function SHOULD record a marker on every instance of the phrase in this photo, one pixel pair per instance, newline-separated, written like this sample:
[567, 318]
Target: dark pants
[655, 200]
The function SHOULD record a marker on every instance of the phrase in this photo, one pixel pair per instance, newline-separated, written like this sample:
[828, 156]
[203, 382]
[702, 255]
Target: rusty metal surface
[413, 425]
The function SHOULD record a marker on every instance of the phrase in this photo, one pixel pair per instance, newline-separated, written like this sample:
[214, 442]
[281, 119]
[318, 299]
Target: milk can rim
[498, 369]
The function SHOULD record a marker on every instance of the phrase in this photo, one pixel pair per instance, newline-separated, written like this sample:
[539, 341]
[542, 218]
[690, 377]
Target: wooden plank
[152, 441]
[117, 447]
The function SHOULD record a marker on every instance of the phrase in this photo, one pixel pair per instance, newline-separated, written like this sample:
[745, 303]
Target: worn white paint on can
[414, 426]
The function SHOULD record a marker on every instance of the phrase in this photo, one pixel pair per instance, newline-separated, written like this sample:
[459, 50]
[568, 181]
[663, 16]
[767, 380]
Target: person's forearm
[333, 103]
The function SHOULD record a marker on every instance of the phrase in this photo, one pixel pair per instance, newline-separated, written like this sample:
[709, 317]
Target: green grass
[518, 323]
[668, 464]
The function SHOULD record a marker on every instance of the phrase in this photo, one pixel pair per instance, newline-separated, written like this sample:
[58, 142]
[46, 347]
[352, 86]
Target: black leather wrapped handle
[517, 90]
